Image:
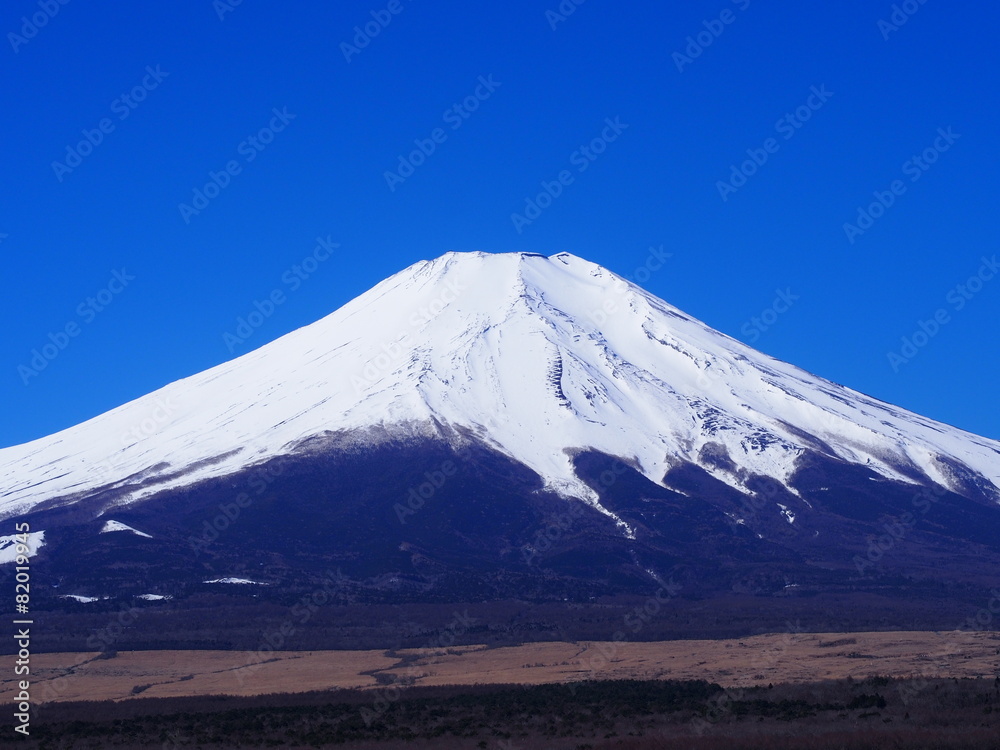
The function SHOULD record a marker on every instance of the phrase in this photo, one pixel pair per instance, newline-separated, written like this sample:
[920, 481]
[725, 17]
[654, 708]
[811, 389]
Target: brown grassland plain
[759, 660]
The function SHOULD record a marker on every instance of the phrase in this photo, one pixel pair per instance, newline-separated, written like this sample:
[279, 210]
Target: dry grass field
[759, 660]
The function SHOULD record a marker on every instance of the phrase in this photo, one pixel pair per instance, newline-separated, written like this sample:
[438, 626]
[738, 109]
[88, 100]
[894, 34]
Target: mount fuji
[509, 427]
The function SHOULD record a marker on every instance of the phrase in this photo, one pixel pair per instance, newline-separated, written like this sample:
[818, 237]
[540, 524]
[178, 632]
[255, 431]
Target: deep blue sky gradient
[324, 175]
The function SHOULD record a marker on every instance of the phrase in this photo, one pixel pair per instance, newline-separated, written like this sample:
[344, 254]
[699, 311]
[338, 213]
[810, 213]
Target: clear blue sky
[64, 232]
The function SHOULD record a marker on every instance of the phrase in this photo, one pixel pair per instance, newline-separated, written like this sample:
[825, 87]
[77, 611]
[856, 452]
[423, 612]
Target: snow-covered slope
[539, 357]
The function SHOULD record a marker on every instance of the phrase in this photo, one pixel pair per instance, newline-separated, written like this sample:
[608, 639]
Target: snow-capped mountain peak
[540, 357]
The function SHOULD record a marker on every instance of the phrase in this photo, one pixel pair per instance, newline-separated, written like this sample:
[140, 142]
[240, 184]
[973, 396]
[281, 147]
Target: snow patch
[9, 546]
[241, 581]
[111, 526]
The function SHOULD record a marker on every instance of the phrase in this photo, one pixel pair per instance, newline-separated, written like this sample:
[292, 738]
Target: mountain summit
[488, 426]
